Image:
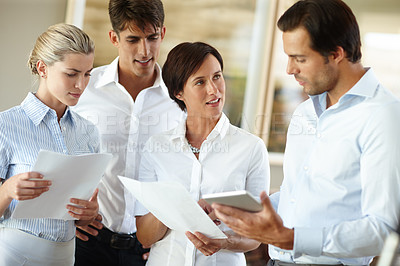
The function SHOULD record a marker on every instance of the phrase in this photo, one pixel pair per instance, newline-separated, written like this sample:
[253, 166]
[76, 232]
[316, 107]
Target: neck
[135, 84]
[198, 128]
[349, 74]
[53, 104]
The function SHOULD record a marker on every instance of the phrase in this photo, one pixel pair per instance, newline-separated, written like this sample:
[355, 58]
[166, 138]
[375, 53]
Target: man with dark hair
[340, 195]
[128, 101]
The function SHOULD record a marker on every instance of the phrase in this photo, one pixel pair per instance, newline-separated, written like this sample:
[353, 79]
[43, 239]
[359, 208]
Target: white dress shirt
[124, 126]
[230, 159]
[342, 176]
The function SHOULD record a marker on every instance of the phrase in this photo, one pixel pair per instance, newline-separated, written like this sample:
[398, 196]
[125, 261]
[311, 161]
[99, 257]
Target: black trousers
[281, 263]
[98, 251]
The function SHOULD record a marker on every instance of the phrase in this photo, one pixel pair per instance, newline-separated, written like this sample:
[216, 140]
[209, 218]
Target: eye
[132, 40]
[153, 38]
[88, 74]
[199, 82]
[71, 75]
[217, 76]
[300, 60]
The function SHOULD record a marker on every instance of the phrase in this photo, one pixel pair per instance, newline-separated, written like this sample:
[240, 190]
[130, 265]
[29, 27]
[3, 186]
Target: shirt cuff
[140, 210]
[307, 241]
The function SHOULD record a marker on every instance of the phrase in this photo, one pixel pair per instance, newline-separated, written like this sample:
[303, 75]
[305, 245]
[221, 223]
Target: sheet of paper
[72, 176]
[172, 204]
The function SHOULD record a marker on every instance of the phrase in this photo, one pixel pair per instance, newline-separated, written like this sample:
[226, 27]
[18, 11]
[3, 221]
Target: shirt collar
[220, 129]
[36, 110]
[111, 75]
[365, 88]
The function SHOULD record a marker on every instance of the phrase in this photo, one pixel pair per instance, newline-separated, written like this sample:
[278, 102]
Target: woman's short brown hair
[182, 61]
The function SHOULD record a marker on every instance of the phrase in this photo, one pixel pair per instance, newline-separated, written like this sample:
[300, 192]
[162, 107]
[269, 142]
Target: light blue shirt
[341, 187]
[28, 128]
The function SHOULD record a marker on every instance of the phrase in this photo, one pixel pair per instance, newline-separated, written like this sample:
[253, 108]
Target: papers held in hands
[72, 176]
[172, 204]
[241, 199]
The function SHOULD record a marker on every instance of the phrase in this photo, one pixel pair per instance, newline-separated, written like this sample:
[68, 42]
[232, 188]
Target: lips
[214, 102]
[143, 62]
[75, 95]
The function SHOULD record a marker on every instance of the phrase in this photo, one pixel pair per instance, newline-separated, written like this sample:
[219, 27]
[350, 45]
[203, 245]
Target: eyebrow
[201, 77]
[147, 36]
[79, 71]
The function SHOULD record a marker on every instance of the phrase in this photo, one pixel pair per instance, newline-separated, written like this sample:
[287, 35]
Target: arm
[22, 187]
[149, 229]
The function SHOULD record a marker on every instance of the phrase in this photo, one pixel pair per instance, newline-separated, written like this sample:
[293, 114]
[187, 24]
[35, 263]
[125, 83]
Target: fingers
[265, 201]
[145, 256]
[81, 236]
[204, 244]
[97, 222]
[94, 196]
[30, 175]
[26, 186]
[88, 229]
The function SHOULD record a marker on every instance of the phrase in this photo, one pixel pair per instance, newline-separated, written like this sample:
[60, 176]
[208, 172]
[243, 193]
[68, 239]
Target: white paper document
[172, 204]
[72, 176]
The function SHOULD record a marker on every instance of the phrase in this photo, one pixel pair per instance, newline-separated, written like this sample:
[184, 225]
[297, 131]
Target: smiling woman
[193, 75]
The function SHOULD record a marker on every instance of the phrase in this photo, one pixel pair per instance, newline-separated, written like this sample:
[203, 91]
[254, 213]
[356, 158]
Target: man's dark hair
[124, 13]
[330, 23]
[183, 61]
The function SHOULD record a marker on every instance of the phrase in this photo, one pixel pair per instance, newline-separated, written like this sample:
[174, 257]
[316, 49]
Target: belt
[118, 241]
[282, 263]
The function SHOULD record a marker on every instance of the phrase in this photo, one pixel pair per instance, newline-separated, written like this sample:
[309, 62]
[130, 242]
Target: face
[138, 51]
[314, 72]
[64, 81]
[204, 91]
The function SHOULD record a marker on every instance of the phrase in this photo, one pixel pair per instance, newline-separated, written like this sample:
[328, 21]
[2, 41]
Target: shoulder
[84, 124]
[11, 116]
[245, 138]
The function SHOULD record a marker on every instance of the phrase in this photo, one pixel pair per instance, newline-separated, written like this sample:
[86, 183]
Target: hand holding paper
[72, 176]
[172, 204]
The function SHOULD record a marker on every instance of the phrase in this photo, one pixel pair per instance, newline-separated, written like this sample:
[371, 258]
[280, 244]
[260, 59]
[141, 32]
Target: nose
[81, 83]
[144, 48]
[292, 68]
[212, 88]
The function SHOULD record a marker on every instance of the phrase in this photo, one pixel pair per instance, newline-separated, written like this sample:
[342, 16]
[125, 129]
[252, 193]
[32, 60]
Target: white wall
[21, 22]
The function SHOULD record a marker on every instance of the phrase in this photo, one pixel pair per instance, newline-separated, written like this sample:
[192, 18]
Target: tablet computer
[241, 199]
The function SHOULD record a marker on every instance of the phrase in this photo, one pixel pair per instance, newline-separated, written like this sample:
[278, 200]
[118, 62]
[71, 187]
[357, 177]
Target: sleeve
[258, 174]
[380, 197]
[94, 144]
[146, 174]
[4, 152]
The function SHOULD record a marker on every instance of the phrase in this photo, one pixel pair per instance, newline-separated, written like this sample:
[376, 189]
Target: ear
[114, 38]
[179, 95]
[163, 30]
[41, 68]
[339, 54]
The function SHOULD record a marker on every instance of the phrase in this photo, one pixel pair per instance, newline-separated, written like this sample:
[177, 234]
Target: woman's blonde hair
[56, 42]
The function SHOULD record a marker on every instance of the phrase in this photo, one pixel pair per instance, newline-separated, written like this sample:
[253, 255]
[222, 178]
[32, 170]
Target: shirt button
[292, 200]
[305, 168]
[64, 128]
[319, 135]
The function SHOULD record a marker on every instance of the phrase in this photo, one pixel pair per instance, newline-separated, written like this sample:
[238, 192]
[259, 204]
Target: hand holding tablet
[241, 199]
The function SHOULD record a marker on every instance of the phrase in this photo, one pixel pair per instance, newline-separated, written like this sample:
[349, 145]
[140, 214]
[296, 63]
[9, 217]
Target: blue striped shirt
[28, 128]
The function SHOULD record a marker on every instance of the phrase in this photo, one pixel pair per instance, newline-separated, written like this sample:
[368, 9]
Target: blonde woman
[62, 58]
